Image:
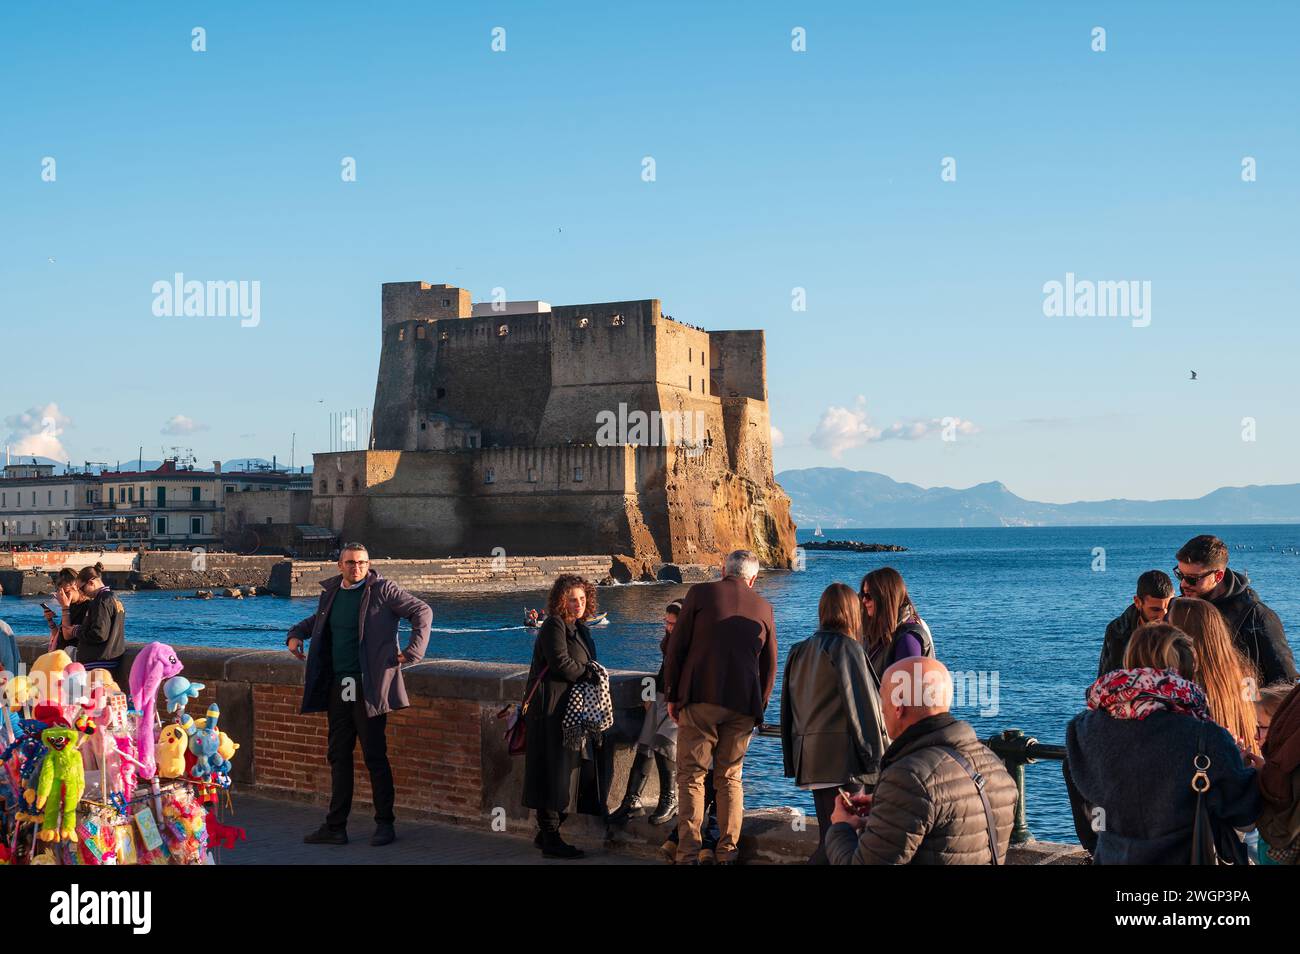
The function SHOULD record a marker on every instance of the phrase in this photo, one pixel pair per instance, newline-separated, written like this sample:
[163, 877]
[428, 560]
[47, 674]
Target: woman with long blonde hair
[1227, 677]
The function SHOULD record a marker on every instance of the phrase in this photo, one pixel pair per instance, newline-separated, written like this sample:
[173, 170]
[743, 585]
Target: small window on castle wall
[421, 332]
[577, 474]
[444, 336]
[446, 303]
[532, 475]
[617, 321]
[356, 485]
[503, 330]
[490, 475]
[338, 486]
[690, 383]
[401, 334]
[324, 486]
[689, 355]
[442, 392]
[582, 322]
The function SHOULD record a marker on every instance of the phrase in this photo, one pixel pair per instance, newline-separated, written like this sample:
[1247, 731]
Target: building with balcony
[171, 507]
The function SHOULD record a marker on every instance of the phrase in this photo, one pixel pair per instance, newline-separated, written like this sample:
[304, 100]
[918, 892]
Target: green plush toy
[63, 776]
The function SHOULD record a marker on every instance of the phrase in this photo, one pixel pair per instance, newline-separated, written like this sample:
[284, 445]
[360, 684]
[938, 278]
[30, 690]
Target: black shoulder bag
[978, 779]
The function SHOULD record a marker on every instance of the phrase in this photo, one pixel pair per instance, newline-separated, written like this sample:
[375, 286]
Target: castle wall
[534, 502]
[739, 364]
[749, 438]
[499, 383]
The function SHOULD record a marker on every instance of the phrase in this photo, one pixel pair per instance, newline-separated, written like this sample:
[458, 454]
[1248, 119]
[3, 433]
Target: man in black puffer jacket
[1203, 572]
[943, 797]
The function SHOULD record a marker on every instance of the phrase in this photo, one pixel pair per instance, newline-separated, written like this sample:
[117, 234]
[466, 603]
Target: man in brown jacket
[719, 669]
[943, 797]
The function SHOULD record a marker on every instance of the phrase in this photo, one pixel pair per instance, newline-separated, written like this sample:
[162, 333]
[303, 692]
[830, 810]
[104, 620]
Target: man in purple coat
[354, 675]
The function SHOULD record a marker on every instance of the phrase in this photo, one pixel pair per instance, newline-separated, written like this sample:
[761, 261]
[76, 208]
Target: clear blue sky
[775, 169]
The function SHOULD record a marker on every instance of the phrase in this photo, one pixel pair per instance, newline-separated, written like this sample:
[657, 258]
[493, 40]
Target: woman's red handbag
[515, 734]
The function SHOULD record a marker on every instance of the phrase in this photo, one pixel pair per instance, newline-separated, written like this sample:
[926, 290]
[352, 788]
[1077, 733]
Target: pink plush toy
[156, 663]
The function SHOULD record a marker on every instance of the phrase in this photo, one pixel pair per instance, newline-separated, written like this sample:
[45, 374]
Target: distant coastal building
[170, 507]
[526, 428]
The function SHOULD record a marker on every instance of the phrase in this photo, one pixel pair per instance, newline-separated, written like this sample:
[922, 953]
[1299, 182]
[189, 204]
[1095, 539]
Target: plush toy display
[62, 780]
[65, 802]
[156, 663]
[179, 691]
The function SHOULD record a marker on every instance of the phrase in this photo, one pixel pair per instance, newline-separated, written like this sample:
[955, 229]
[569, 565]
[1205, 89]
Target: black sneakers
[325, 835]
[383, 835]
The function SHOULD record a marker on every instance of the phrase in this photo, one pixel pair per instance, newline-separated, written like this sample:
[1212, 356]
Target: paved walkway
[275, 829]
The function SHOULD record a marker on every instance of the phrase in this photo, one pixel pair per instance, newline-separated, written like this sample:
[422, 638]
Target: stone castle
[487, 439]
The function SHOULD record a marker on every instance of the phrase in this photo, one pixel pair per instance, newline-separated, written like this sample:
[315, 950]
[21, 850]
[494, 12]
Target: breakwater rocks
[206, 575]
[501, 574]
[853, 546]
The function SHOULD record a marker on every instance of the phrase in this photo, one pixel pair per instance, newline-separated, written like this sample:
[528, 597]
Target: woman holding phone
[831, 728]
[73, 605]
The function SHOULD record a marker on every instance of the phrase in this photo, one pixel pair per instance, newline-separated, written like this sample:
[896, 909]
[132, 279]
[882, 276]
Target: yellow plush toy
[228, 747]
[46, 677]
[169, 753]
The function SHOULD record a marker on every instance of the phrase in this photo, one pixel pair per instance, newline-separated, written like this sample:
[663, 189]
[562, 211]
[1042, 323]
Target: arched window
[421, 332]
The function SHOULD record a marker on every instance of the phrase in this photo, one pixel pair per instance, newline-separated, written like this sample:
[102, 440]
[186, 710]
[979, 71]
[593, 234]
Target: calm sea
[1022, 606]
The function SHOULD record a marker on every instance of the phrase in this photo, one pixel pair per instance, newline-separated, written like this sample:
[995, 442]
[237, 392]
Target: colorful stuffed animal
[157, 662]
[62, 777]
[73, 691]
[205, 743]
[179, 691]
[102, 687]
[170, 754]
[46, 677]
[227, 748]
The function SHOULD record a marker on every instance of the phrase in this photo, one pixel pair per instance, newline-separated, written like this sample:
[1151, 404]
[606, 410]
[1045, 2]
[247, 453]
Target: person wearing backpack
[892, 628]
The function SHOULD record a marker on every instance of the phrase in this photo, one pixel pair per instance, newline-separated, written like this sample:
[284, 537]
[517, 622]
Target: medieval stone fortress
[487, 435]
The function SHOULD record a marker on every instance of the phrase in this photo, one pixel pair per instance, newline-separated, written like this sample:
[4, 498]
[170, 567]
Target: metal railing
[1014, 748]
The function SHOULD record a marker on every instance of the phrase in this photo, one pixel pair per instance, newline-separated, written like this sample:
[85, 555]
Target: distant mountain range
[838, 497]
[134, 463]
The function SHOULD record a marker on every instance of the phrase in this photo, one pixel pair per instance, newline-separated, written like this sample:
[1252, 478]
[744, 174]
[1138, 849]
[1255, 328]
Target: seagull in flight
[1193, 376]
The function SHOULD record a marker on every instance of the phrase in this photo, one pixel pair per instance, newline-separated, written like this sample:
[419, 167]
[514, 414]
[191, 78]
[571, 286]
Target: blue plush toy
[205, 742]
[179, 691]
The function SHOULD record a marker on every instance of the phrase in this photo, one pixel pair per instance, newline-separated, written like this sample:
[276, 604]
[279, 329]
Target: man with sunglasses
[1203, 572]
[354, 674]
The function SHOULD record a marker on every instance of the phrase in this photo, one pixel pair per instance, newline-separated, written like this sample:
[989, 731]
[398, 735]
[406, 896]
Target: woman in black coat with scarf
[558, 779]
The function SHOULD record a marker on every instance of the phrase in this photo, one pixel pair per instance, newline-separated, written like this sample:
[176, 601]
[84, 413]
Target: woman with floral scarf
[1130, 759]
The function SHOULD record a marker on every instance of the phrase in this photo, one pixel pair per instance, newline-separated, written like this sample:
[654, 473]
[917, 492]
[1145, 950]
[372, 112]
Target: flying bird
[1193, 375]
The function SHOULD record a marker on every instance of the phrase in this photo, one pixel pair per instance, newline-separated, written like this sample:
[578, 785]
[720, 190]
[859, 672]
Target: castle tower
[409, 313]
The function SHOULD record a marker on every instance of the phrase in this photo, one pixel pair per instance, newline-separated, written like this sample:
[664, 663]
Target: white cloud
[842, 428]
[778, 439]
[180, 424]
[36, 432]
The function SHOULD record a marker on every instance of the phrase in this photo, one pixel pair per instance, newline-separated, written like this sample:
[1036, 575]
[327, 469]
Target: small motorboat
[533, 619]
